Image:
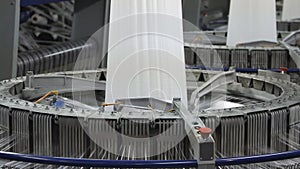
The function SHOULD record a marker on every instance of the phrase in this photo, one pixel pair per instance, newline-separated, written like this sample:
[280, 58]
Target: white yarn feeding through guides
[145, 51]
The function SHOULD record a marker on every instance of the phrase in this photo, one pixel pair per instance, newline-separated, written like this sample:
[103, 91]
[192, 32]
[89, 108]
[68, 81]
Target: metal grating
[103, 136]
[278, 130]
[203, 57]
[257, 133]
[232, 137]
[259, 59]
[20, 130]
[239, 58]
[221, 58]
[42, 134]
[279, 58]
[72, 138]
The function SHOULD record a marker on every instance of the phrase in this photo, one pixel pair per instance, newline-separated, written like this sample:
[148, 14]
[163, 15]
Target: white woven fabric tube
[251, 20]
[291, 9]
[146, 52]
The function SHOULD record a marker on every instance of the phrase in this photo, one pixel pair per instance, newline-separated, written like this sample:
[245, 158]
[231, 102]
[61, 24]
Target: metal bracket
[202, 144]
[212, 84]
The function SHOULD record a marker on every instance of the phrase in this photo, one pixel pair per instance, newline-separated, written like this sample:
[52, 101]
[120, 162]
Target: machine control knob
[205, 132]
[283, 70]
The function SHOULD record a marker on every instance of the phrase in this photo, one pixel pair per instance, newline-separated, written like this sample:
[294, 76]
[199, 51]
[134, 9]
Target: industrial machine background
[267, 121]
